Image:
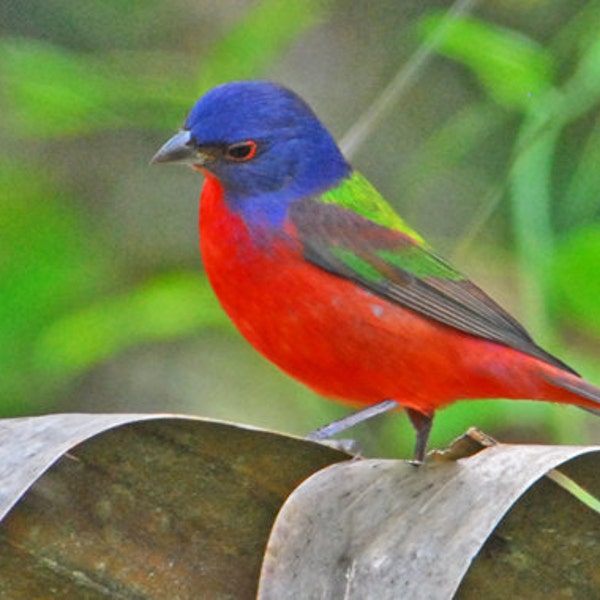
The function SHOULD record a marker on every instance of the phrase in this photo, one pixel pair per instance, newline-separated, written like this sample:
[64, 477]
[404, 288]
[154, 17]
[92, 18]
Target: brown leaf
[547, 546]
[153, 507]
[385, 529]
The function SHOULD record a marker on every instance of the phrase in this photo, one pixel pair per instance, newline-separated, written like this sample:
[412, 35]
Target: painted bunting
[324, 278]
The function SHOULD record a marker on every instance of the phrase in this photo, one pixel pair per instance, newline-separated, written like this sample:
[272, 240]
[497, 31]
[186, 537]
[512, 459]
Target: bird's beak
[180, 148]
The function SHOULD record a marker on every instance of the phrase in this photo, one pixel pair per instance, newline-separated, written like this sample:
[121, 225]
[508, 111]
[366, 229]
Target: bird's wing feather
[400, 268]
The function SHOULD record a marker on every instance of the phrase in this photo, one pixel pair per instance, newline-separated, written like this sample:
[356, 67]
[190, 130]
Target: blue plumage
[295, 157]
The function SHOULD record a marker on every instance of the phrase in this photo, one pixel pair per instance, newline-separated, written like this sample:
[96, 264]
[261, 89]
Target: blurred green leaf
[249, 46]
[47, 263]
[53, 92]
[164, 308]
[583, 89]
[582, 196]
[576, 277]
[512, 67]
[517, 73]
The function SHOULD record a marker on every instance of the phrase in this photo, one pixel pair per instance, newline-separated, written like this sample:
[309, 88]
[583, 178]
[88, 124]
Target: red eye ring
[241, 151]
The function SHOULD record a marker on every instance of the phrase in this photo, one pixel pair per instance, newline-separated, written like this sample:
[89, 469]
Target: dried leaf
[385, 529]
[151, 507]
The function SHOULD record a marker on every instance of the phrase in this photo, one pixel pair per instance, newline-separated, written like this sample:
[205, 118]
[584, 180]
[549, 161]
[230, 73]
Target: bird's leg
[351, 420]
[422, 424]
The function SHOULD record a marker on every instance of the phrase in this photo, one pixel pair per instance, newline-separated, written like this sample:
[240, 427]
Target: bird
[325, 279]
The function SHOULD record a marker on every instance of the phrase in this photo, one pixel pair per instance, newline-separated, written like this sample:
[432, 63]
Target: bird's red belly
[336, 337]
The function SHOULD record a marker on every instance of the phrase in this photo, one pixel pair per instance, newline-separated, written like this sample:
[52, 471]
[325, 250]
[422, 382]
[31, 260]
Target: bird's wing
[399, 267]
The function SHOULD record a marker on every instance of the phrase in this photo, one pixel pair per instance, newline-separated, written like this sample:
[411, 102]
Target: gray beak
[180, 148]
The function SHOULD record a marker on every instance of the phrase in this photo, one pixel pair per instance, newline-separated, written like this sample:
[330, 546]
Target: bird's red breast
[340, 339]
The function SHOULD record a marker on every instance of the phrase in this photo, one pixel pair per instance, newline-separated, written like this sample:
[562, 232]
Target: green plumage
[353, 233]
[420, 263]
[361, 267]
[359, 196]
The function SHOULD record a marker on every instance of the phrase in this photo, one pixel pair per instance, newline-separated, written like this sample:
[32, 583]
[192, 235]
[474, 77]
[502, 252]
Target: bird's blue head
[262, 142]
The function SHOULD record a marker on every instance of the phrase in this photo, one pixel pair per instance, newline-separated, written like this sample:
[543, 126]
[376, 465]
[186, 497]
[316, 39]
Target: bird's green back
[352, 232]
[358, 195]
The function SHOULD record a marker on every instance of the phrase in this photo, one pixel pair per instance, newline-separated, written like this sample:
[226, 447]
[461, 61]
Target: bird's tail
[584, 394]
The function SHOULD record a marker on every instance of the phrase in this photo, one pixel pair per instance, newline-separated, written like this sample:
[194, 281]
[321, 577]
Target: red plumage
[344, 341]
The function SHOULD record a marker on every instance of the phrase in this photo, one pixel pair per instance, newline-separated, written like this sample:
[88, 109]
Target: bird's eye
[241, 151]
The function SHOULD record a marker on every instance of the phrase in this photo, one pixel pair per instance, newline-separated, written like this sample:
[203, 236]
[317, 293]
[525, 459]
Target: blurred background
[491, 149]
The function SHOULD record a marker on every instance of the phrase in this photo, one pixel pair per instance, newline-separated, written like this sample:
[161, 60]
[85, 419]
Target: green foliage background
[493, 154]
